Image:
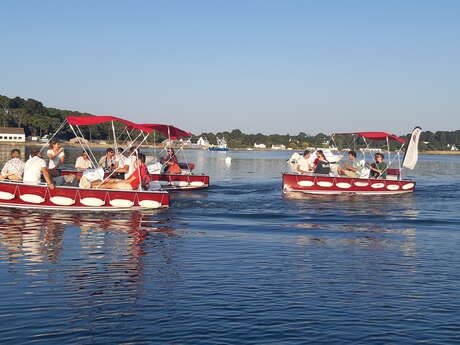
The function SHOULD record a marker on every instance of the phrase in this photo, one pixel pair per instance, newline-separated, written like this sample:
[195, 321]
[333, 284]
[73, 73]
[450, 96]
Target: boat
[334, 184]
[221, 145]
[14, 194]
[187, 180]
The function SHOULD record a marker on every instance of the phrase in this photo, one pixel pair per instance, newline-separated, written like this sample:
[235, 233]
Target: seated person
[107, 161]
[83, 162]
[56, 157]
[14, 168]
[132, 182]
[322, 165]
[124, 166]
[351, 168]
[34, 168]
[379, 168]
[303, 163]
[170, 162]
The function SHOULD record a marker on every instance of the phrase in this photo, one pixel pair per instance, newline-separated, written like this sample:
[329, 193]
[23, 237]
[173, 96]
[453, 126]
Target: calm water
[240, 264]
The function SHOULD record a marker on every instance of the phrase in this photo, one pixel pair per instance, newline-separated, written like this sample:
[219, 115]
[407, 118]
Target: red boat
[362, 185]
[172, 182]
[27, 196]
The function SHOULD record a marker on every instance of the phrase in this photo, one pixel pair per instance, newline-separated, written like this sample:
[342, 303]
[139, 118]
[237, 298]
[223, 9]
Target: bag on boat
[94, 174]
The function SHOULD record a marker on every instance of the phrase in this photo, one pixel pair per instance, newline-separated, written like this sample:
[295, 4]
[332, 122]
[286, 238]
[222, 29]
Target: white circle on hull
[121, 203]
[343, 185]
[305, 183]
[180, 183]
[392, 187]
[196, 183]
[377, 185]
[94, 202]
[6, 196]
[149, 204]
[324, 184]
[32, 198]
[408, 186]
[62, 201]
[361, 184]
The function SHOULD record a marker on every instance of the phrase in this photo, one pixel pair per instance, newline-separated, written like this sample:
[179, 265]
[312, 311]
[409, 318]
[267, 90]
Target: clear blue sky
[268, 66]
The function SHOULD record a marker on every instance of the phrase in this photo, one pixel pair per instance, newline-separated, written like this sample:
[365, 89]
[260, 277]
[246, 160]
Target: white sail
[411, 155]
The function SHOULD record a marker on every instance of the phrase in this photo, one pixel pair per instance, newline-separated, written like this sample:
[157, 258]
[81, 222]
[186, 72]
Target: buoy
[361, 184]
[32, 198]
[196, 183]
[377, 185]
[62, 201]
[121, 203]
[408, 186]
[149, 204]
[324, 184]
[93, 202]
[305, 183]
[6, 196]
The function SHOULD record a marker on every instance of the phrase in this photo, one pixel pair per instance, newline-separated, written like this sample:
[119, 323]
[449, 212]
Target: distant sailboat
[221, 145]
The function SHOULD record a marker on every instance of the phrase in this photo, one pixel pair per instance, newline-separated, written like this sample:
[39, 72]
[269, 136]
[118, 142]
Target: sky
[260, 66]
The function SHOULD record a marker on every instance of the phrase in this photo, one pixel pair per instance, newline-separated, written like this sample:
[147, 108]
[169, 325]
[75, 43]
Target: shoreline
[249, 149]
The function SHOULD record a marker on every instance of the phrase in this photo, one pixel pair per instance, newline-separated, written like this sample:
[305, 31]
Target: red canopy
[375, 136]
[167, 130]
[93, 120]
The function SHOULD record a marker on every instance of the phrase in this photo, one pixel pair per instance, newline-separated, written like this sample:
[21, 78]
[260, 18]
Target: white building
[454, 148]
[12, 134]
[278, 147]
[260, 146]
[202, 142]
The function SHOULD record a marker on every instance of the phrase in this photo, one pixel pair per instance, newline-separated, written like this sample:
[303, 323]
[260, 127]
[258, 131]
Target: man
[83, 162]
[132, 182]
[34, 168]
[379, 168]
[108, 160]
[351, 168]
[122, 164]
[14, 168]
[303, 163]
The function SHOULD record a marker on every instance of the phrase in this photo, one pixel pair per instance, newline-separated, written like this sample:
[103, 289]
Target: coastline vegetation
[38, 120]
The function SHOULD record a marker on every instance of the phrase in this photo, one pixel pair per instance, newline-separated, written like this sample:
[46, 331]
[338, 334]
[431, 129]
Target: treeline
[38, 120]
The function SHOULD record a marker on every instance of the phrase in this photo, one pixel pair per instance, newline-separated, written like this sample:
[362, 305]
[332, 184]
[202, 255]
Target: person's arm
[47, 177]
[4, 170]
[124, 169]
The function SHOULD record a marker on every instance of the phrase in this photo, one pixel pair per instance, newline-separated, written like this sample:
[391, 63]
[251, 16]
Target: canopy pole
[91, 155]
[52, 137]
[114, 138]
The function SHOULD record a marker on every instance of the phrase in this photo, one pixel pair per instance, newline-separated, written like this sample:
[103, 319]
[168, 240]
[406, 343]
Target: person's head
[379, 157]
[15, 153]
[170, 151]
[306, 154]
[109, 152]
[140, 159]
[320, 155]
[351, 155]
[120, 150]
[55, 144]
[84, 154]
[131, 150]
[35, 153]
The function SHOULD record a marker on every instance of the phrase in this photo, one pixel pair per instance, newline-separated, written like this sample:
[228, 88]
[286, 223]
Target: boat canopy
[93, 120]
[167, 130]
[375, 136]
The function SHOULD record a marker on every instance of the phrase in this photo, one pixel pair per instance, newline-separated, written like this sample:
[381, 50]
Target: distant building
[11, 134]
[202, 142]
[454, 148]
[260, 146]
[278, 147]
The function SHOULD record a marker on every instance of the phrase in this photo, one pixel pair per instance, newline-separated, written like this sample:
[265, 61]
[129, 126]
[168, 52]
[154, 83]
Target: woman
[83, 162]
[56, 157]
[321, 164]
[171, 163]
[379, 168]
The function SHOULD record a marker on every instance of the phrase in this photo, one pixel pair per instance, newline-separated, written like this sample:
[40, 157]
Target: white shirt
[131, 162]
[13, 166]
[83, 164]
[33, 170]
[56, 161]
[304, 164]
[121, 160]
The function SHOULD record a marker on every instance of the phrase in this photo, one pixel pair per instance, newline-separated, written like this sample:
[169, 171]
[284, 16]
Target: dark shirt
[322, 167]
[381, 166]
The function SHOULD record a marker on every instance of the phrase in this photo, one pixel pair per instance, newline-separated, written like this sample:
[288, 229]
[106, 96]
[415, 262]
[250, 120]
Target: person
[126, 165]
[132, 182]
[83, 162]
[14, 168]
[170, 162]
[379, 168]
[34, 168]
[107, 161]
[303, 163]
[56, 157]
[121, 166]
[351, 168]
[322, 165]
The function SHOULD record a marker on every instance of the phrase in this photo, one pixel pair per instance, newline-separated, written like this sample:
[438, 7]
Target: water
[240, 264]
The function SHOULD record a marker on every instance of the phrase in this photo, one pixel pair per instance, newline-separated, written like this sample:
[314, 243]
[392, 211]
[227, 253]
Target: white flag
[411, 155]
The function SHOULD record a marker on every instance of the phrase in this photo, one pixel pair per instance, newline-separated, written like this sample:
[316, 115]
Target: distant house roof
[11, 130]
